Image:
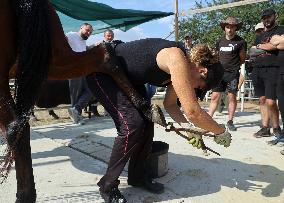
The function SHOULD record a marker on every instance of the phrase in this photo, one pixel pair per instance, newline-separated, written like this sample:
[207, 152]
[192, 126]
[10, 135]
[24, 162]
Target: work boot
[114, 196]
[231, 126]
[148, 184]
[263, 132]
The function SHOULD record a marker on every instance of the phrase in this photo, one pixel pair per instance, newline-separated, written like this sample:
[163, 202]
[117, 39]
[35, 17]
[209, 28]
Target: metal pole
[243, 72]
[176, 20]
[223, 6]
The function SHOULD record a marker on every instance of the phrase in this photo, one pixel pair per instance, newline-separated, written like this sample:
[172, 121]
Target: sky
[160, 28]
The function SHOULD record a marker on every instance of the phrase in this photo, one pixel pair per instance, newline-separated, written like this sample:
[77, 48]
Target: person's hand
[224, 138]
[275, 40]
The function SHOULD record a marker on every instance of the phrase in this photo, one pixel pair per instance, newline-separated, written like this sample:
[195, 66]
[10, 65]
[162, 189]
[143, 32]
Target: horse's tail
[6, 163]
[34, 51]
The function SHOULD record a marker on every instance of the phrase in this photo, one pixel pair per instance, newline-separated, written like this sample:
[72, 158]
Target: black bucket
[157, 164]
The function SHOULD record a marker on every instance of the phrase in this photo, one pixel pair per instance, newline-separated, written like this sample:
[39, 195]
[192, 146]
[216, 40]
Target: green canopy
[102, 16]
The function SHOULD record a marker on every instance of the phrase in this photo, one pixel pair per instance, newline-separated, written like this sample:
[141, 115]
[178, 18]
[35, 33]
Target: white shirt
[76, 42]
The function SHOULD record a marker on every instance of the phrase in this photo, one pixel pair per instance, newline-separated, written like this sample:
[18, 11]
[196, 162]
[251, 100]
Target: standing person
[264, 75]
[80, 94]
[162, 63]
[259, 28]
[278, 42]
[108, 36]
[232, 53]
[109, 39]
[188, 43]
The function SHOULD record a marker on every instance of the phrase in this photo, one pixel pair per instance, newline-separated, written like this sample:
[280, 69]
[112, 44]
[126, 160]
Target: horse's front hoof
[23, 197]
[157, 115]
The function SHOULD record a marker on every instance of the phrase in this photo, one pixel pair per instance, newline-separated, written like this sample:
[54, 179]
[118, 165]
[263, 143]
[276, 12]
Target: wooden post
[176, 20]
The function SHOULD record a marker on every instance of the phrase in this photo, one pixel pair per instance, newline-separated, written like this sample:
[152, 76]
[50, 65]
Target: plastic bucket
[157, 164]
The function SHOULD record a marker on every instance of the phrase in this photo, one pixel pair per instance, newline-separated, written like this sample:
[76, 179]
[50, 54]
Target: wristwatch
[258, 46]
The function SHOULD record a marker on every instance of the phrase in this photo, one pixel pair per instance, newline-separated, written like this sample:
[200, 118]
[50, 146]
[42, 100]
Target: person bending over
[161, 63]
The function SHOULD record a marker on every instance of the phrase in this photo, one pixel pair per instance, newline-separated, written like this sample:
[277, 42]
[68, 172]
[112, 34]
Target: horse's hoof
[54, 115]
[158, 115]
[23, 197]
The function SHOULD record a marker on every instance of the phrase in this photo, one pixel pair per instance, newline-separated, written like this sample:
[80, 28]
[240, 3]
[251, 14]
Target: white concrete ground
[68, 160]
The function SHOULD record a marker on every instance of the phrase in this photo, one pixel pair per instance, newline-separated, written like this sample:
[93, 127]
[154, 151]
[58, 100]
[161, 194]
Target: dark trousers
[80, 94]
[280, 96]
[135, 133]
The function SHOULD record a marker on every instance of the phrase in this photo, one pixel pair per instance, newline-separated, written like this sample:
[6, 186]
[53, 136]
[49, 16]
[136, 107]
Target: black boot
[148, 184]
[114, 196]
[53, 114]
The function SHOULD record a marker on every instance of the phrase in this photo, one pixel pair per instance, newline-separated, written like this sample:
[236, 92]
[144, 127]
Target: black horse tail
[34, 53]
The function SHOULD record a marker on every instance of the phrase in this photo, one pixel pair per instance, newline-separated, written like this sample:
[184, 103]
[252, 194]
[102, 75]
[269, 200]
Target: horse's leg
[26, 192]
[152, 113]
[22, 154]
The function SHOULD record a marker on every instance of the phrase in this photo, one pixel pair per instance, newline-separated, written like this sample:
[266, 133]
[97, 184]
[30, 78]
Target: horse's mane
[34, 51]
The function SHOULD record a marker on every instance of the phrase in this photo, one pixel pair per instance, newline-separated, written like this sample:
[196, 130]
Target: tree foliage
[205, 27]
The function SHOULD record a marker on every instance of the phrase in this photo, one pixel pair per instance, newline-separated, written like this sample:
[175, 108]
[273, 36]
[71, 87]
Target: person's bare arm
[243, 56]
[266, 47]
[241, 81]
[170, 105]
[173, 61]
[278, 41]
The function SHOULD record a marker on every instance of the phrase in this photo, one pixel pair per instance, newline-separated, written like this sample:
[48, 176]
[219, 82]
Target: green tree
[205, 27]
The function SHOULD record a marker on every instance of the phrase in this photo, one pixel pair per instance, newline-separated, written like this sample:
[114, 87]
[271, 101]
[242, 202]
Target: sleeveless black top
[138, 59]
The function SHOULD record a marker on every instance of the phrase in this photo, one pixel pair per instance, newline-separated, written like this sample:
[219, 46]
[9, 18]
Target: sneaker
[263, 132]
[148, 184]
[114, 196]
[81, 120]
[277, 132]
[282, 152]
[231, 126]
[74, 114]
[276, 140]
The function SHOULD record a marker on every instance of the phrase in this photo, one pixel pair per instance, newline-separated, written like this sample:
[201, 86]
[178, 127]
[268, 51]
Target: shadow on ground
[194, 176]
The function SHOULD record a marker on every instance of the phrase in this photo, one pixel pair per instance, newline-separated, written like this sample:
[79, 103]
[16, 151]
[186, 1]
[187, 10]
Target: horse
[33, 48]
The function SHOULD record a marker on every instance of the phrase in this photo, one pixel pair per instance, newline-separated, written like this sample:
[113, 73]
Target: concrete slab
[66, 169]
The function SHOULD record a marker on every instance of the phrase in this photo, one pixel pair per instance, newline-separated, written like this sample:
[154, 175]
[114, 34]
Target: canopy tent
[103, 17]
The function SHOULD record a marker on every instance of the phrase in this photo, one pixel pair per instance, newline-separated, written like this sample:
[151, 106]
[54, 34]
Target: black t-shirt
[281, 61]
[229, 52]
[270, 58]
[138, 59]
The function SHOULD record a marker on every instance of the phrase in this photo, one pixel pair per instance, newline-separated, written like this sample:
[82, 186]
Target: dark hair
[207, 57]
[203, 54]
[108, 31]
[87, 24]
